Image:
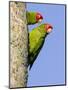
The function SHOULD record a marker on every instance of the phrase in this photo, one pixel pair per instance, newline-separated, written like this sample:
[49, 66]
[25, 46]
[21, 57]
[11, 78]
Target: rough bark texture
[18, 45]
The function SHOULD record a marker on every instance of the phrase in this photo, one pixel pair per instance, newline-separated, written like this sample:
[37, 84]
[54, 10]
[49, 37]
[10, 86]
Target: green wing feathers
[35, 44]
[34, 53]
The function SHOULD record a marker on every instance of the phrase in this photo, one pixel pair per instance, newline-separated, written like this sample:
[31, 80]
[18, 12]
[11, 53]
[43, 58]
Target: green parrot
[36, 40]
[33, 17]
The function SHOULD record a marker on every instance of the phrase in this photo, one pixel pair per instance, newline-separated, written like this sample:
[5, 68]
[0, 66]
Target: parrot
[36, 40]
[33, 17]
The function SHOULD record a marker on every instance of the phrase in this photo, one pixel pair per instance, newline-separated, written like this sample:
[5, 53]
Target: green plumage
[36, 41]
[31, 17]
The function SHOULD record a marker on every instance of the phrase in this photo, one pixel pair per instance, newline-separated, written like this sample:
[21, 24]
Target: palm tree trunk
[18, 44]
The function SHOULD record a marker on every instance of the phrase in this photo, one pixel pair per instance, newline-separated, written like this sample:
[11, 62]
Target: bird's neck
[43, 33]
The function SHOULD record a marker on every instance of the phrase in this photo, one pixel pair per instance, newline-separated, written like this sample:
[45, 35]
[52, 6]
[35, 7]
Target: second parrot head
[39, 17]
[48, 27]
[45, 28]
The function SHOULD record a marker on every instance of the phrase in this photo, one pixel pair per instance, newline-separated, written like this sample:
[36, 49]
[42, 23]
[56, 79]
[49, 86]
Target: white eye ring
[49, 30]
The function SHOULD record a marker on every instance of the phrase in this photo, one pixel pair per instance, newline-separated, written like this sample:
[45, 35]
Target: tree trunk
[18, 72]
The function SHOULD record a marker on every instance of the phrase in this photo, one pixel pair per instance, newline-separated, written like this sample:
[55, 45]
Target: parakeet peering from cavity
[36, 41]
[36, 36]
[33, 17]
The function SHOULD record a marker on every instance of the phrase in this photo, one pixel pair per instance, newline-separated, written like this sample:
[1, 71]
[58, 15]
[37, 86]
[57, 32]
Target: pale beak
[49, 30]
[40, 20]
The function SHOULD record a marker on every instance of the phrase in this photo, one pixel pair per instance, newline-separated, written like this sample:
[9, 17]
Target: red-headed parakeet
[36, 40]
[33, 17]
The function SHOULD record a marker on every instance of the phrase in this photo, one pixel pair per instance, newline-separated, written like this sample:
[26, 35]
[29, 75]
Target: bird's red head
[38, 17]
[48, 28]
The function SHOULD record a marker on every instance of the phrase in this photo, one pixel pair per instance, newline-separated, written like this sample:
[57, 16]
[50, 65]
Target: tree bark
[18, 72]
